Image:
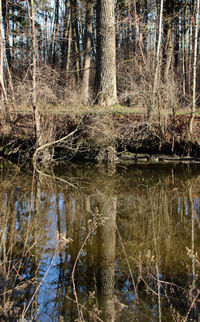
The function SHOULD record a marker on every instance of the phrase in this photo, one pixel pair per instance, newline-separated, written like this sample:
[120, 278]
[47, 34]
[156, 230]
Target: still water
[83, 242]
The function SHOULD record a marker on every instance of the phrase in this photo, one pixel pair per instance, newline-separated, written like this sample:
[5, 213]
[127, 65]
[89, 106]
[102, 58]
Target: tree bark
[87, 61]
[75, 39]
[4, 98]
[56, 26]
[108, 89]
[5, 14]
[196, 29]
[168, 39]
[157, 71]
[34, 70]
[65, 36]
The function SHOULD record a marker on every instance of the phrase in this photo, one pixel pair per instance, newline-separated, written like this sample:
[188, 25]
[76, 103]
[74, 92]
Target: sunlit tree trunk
[64, 47]
[68, 48]
[4, 98]
[190, 45]
[87, 60]
[34, 70]
[196, 29]
[168, 38]
[75, 39]
[184, 49]
[157, 71]
[56, 26]
[108, 88]
[5, 13]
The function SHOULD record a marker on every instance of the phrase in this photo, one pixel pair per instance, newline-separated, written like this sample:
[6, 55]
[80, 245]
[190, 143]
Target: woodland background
[56, 45]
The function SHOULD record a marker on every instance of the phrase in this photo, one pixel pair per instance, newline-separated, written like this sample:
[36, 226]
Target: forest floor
[99, 134]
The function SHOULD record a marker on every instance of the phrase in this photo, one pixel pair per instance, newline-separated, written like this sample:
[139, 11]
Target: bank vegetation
[74, 55]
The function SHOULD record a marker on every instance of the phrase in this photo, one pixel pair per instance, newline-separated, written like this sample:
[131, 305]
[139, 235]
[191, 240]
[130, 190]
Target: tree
[5, 15]
[2, 83]
[107, 89]
[168, 37]
[34, 70]
[157, 71]
[196, 30]
[87, 58]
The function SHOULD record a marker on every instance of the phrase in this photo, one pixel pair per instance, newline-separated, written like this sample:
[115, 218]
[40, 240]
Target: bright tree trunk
[34, 70]
[196, 29]
[5, 13]
[108, 88]
[87, 61]
[3, 91]
[151, 108]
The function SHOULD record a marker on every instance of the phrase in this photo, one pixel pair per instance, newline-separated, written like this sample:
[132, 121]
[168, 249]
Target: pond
[86, 242]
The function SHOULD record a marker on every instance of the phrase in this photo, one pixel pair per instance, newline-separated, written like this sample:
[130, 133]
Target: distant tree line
[105, 49]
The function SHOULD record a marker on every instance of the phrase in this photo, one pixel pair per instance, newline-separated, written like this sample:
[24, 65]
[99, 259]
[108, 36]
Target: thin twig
[80, 314]
[128, 264]
[191, 306]
[54, 177]
[38, 287]
[83, 307]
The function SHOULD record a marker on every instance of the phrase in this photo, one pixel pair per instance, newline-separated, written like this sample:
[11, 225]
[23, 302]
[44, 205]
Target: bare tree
[34, 70]
[196, 29]
[88, 46]
[157, 71]
[2, 83]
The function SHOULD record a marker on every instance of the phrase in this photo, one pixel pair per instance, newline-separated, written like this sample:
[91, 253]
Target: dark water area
[83, 242]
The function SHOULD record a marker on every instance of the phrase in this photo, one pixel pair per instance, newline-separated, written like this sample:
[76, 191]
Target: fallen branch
[42, 147]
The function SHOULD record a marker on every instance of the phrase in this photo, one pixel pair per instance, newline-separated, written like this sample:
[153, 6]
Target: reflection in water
[135, 249]
[106, 235]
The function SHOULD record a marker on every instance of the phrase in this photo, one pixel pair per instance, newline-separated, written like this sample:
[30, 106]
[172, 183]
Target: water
[82, 241]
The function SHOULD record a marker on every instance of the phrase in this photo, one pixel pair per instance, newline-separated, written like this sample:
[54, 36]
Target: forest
[67, 53]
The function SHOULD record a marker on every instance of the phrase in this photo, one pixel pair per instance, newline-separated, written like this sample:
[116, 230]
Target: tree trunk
[108, 89]
[196, 29]
[56, 26]
[5, 15]
[34, 70]
[75, 39]
[4, 98]
[68, 48]
[157, 71]
[168, 39]
[65, 36]
[184, 50]
[88, 46]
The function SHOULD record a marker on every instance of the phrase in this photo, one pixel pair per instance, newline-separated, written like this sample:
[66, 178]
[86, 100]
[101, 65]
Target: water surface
[81, 241]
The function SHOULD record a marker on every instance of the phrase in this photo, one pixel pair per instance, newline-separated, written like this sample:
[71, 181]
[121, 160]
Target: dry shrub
[51, 87]
[48, 87]
[101, 131]
[72, 94]
[136, 83]
[140, 134]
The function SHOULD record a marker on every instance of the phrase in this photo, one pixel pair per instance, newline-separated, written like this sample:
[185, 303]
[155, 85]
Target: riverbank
[101, 136]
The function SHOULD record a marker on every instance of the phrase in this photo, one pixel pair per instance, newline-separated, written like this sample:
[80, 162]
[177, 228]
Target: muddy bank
[102, 137]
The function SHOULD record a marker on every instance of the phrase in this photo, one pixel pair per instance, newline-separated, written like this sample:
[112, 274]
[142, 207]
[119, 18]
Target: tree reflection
[106, 241]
